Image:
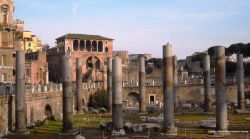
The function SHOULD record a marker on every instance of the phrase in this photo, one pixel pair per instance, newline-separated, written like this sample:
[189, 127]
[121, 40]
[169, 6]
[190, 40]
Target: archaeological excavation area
[211, 108]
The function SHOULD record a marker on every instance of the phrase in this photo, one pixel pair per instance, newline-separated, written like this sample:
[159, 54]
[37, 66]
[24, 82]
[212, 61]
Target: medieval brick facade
[36, 67]
[7, 29]
[92, 49]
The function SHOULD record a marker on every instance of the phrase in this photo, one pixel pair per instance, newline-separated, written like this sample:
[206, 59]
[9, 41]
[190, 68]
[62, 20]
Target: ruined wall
[35, 107]
[188, 93]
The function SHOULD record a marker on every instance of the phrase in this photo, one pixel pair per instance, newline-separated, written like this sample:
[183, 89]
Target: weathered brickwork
[36, 104]
[6, 64]
[92, 49]
[186, 94]
[36, 67]
[39, 104]
[6, 40]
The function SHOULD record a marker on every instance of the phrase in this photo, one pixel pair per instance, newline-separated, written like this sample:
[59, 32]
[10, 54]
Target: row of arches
[94, 46]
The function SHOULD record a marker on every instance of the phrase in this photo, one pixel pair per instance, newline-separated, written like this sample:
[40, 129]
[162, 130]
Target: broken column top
[219, 51]
[167, 50]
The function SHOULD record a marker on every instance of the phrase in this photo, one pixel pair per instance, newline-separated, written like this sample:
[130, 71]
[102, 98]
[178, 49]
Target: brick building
[36, 67]
[92, 49]
[7, 29]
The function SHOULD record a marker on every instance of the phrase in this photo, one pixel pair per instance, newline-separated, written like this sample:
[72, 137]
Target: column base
[21, 131]
[80, 112]
[169, 132]
[119, 132]
[68, 132]
[219, 134]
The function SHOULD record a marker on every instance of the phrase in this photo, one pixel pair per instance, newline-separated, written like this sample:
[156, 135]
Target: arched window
[100, 46]
[106, 49]
[82, 45]
[75, 45]
[94, 46]
[93, 62]
[5, 9]
[88, 46]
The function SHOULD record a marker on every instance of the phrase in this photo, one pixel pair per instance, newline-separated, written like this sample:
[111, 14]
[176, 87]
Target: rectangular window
[41, 73]
[3, 61]
[14, 72]
[4, 77]
[152, 99]
[5, 39]
[5, 18]
[29, 44]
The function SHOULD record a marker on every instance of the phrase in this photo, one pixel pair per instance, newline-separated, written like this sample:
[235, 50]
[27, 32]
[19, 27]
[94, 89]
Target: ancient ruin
[80, 87]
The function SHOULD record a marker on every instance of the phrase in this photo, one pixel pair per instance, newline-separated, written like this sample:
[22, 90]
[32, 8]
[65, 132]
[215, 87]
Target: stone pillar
[175, 95]
[67, 96]
[207, 83]
[240, 82]
[20, 92]
[105, 84]
[79, 104]
[10, 114]
[109, 74]
[46, 80]
[142, 78]
[220, 89]
[168, 103]
[117, 110]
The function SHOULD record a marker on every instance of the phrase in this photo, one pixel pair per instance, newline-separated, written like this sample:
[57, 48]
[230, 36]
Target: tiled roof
[83, 37]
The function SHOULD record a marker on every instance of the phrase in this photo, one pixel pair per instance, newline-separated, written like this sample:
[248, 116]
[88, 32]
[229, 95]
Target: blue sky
[141, 26]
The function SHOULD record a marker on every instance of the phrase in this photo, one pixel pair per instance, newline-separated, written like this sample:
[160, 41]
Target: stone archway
[132, 100]
[48, 112]
[93, 62]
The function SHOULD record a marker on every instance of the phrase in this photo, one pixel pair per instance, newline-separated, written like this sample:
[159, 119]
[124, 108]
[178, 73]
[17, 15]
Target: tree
[240, 48]
[156, 61]
[98, 99]
[236, 48]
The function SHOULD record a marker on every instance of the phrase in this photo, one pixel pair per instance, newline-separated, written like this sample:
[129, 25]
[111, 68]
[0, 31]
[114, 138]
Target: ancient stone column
[220, 89]
[175, 95]
[46, 76]
[105, 80]
[109, 74]
[240, 82]
[117, 110]
[207, 83]
[142, 78]
[20, 92]
[10, 113]
[67, 95]
[46, 80]
[79, 104]
[168, 102]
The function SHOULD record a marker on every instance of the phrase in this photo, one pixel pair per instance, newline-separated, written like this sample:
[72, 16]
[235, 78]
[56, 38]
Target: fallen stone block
[155, 126]
[120, 132]
[102, 110]
[127, 127]
[186, 105]
[248, 119]
[108, 126]
[153, 119]
[79, 137]
[95, 111]
[137, 128]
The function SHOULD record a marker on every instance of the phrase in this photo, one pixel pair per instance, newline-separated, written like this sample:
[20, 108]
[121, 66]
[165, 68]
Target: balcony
[7, 67]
